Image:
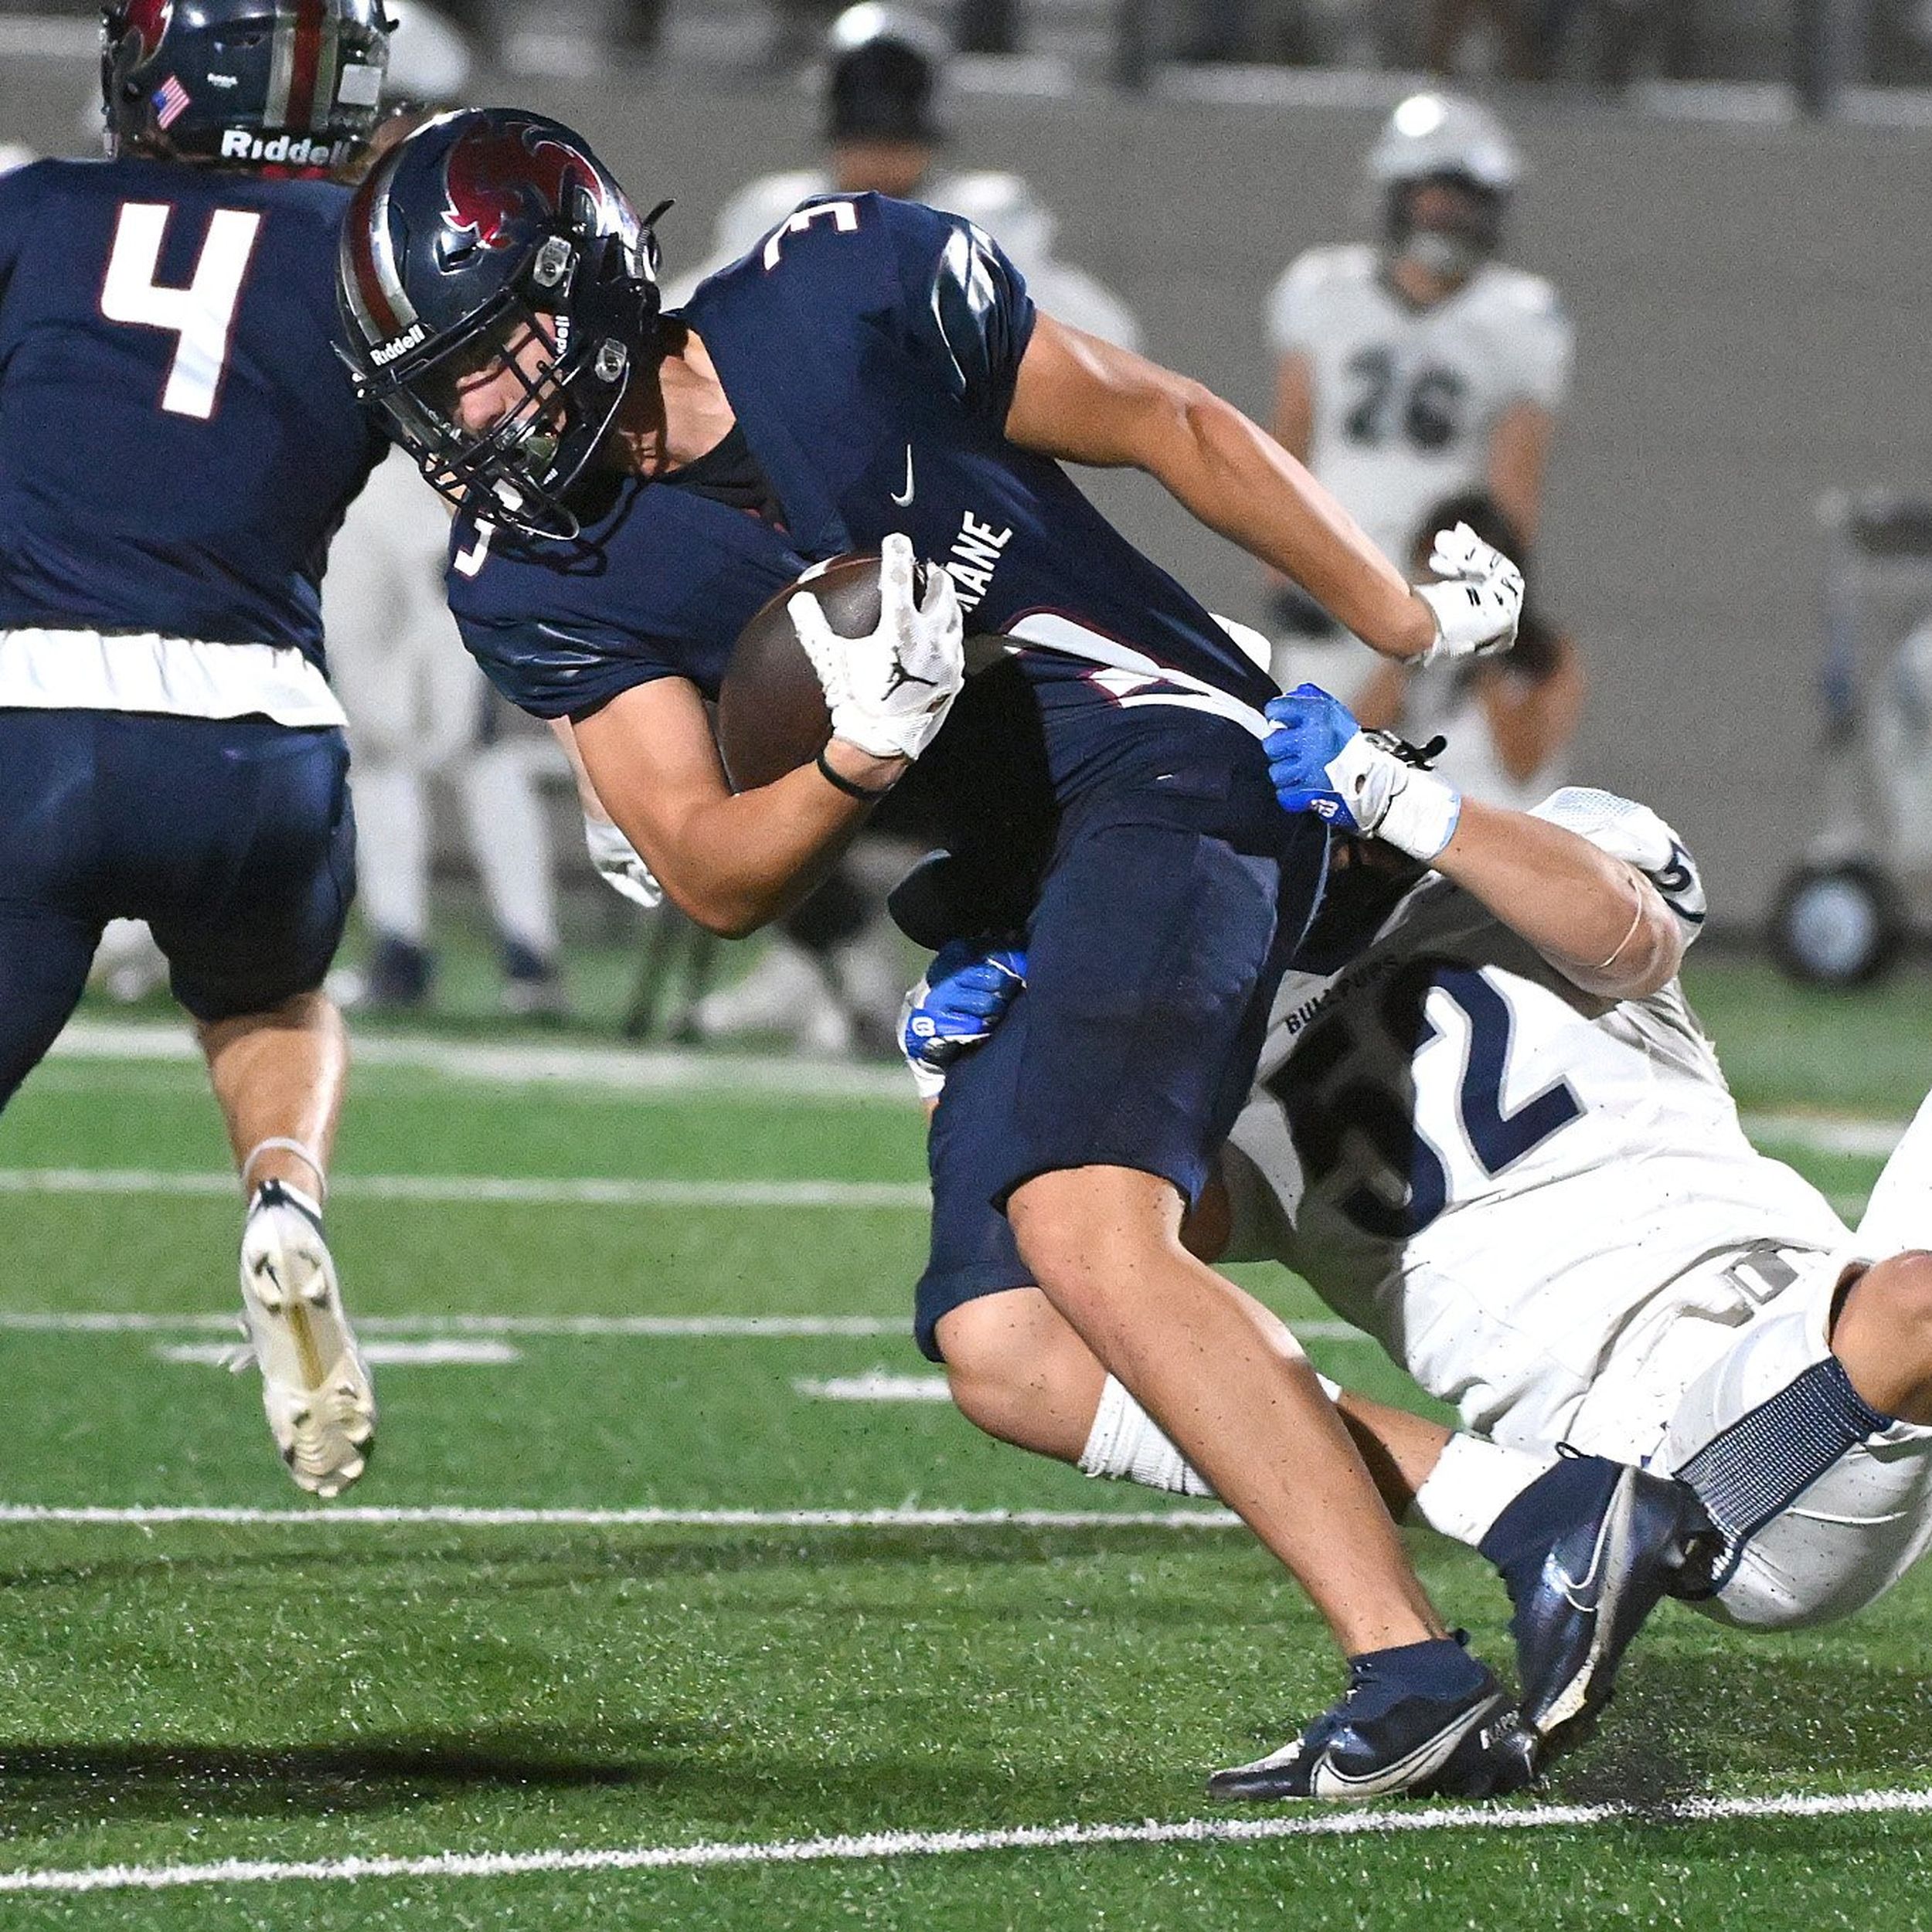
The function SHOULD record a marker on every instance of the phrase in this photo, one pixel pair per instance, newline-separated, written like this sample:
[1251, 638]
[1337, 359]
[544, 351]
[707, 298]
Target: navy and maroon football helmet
[287, 88]
[486, 229]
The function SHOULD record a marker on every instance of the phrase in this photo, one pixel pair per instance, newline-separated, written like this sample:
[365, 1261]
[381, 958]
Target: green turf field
[667, 1708]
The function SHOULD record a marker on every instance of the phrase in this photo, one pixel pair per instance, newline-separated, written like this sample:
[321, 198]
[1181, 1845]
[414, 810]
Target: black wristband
[866, 794]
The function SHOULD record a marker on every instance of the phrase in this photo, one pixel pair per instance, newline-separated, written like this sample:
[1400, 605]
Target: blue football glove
[1311, 729]
[963, 996]
[1321, 761]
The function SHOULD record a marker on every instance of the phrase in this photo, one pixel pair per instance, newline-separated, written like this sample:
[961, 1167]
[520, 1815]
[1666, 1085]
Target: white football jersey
[1406, 398]
[413, 693]
[1497, 1175]
[1002, 204]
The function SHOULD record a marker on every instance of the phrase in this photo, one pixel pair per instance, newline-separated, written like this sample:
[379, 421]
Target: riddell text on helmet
[296, 151]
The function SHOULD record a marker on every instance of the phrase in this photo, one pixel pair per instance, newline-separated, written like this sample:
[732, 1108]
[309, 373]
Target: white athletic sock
[392, 849]
[1126, 1441]
[1472, 1484]
[511, 842]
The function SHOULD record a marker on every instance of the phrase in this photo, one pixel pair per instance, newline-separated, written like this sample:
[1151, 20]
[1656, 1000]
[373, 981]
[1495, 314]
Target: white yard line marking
[608, 1065]
[731, 1327]
[1873, 1140]
[583, 1191]
[153, 1516]
[456, 1352]
[744, 1327]
[876, 1385]
[874, 1845]
[660, 1070]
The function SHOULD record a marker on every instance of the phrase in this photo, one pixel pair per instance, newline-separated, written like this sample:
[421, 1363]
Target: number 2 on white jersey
[201, 316]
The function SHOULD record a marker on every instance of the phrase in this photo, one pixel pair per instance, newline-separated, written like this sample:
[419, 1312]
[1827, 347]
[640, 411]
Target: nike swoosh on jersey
[902, 501]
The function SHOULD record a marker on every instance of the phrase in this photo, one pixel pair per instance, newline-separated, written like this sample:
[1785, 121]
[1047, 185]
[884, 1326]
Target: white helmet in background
[430, 61]
[13, 155]
[1446, 168]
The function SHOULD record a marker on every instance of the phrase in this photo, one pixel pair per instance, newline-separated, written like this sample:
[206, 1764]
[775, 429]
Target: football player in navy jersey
[177, 446]
[633, 486]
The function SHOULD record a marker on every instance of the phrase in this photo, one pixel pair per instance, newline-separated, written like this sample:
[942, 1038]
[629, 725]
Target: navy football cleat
[1587, 1551]
[1390, 1738]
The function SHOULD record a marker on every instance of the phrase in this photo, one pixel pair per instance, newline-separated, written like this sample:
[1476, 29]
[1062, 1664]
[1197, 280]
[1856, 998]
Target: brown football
[771, 708]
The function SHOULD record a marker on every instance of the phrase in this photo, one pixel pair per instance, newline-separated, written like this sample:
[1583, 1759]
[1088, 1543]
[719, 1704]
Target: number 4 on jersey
[200, 316]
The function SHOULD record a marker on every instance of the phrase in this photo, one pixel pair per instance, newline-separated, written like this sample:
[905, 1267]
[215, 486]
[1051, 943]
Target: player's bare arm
[1598, 919]
[733, 861]
[1084, 401]
[1529, 716]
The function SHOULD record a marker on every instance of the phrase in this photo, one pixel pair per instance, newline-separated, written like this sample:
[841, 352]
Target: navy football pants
[232, 838]
[1175, 894]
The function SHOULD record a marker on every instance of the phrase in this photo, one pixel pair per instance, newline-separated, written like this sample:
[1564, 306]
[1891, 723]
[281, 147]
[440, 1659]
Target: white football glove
[1477, 606]
[619, 864]
[888, 693]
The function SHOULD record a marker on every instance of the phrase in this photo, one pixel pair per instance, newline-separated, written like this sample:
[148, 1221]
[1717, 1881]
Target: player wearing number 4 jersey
[177, 446]
[1488, 1129]
[874, 375]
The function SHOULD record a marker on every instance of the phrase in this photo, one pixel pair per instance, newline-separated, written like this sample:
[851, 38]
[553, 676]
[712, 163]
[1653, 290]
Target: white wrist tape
[1402, 805]
[1422, 814]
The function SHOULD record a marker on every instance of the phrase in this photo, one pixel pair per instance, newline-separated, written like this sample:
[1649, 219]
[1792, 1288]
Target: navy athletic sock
[1765, 1461]
[1440, 1670]
[1566, 1493]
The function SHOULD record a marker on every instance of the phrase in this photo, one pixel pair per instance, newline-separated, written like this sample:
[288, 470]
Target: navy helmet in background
[250, 82]
[884, 72]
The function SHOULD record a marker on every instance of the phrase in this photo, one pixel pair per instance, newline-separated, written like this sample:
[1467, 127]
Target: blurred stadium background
[1747, 277]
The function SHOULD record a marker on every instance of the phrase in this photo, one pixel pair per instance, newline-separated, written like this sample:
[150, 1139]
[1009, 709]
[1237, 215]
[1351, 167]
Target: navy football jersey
[177, 441]
[870, 348]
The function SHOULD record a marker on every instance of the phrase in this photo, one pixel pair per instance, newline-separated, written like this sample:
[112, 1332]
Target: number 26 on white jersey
[200, 316]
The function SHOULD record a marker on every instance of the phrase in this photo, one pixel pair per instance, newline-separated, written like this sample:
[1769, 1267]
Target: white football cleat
[315, 1387]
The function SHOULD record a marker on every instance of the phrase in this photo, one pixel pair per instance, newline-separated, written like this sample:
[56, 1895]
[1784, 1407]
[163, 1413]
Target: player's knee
[987, 1375]
[1893, 1299]
[1011, 1366]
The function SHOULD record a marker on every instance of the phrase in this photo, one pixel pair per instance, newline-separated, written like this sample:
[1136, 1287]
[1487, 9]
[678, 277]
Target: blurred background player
[177, 443]
[418, 707]
[884, 85]
[1507, 724]
[831, 976]
[1420, 367]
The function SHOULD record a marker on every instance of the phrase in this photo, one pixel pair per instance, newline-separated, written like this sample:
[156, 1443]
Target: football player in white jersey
[884, 73]
[1489, 1130]
[419, 709]
[1421, 367]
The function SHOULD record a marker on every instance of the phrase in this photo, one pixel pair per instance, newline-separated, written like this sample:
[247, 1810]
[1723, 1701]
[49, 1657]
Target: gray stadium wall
[1751, 303]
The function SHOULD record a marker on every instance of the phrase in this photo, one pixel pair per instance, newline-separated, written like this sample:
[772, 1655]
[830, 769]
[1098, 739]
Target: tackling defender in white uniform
[1496, 1138]
[1540, 1202]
